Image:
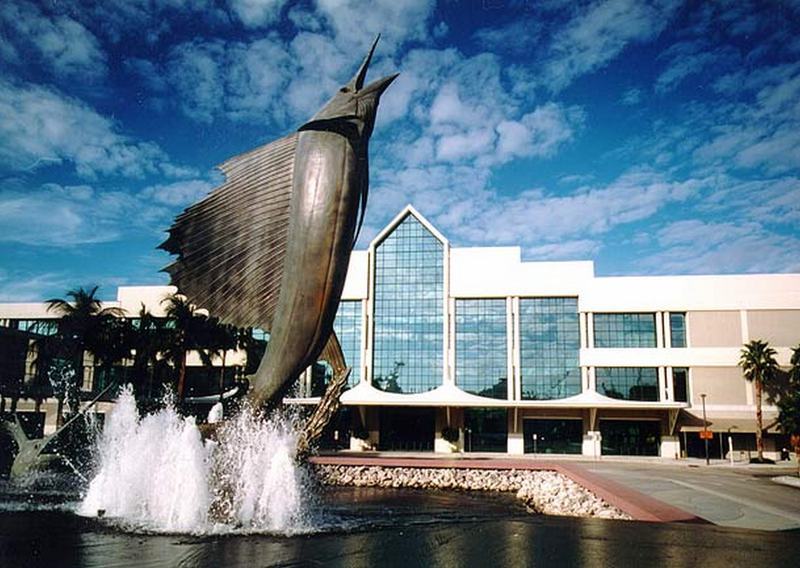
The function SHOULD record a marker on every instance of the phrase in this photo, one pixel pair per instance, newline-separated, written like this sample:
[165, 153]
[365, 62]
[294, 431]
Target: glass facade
[624, 330]
[549, 344]
[482, 347]
[680, 381]
[409, 294]
[347, 326]
[677, 330]
[628, 383]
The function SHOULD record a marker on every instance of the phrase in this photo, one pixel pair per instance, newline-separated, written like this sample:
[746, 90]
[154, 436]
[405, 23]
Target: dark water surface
[378, 528]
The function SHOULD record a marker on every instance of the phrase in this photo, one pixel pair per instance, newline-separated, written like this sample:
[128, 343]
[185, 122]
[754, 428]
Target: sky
[651, 137]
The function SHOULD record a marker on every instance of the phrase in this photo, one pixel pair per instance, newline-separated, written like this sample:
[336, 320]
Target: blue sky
[653, 137]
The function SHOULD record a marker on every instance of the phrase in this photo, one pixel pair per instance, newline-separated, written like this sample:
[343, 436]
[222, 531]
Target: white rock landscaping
[543, 492]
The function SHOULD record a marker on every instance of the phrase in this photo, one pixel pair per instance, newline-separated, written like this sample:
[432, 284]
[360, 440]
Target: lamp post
[705, 427]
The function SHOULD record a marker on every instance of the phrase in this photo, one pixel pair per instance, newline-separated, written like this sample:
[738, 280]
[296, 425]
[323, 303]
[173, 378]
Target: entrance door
[630, 437]
[485, 430]
[553, 436]
[407, 429]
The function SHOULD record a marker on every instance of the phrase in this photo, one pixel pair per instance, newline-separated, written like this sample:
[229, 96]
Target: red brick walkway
[638, 505]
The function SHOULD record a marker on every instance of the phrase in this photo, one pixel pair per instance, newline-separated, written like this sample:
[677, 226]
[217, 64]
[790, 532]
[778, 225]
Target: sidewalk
[733, 496]
[651, 489]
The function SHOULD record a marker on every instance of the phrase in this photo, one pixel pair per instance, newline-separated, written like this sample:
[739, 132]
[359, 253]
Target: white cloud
[567, 250]
[631, 97]
[355, 23]
[181, 193]
[690, 58]
[707, 247]
[538, 133]
[16, 286]
[39, 125]
[64, 216]
[598, 33]
[257, 13]
[60, 43]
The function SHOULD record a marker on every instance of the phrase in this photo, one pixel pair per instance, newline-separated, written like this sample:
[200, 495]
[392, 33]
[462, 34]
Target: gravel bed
[543, 492]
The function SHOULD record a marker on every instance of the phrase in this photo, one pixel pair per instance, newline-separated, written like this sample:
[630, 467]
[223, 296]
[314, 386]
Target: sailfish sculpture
[270, 247]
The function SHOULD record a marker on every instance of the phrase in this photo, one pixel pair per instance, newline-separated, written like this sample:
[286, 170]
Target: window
[549, 344]
[39, 326]
[677, 329]
[624, 330]
[347, 326]
[409, 295]
[680, 380]
[481, 347]
[628, 383]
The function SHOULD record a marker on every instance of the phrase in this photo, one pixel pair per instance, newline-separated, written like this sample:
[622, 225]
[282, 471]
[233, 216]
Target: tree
[188, 331]
[757, 360]
[81, 330]
[789, 406]
[149, 335]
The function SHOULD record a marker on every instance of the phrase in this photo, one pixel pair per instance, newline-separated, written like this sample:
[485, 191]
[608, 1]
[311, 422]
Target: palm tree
[80, 329]
[757, 360]
[188, 328]
[149, 335]
[222, 338]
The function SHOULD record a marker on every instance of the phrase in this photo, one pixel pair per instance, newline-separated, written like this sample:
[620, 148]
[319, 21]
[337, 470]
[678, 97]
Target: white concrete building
[504, 355]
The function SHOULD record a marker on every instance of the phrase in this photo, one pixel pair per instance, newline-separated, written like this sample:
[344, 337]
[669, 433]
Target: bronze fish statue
[270, 247]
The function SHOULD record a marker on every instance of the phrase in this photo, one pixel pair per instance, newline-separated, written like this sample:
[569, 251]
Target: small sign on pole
[706, 435]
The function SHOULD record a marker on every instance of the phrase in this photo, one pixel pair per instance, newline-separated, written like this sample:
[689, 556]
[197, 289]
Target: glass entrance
[553, 436]
[407, 429]
[485, 430]
[630, 437]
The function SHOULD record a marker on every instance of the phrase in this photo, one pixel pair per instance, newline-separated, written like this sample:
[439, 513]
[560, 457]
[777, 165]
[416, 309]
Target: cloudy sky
[653, 137]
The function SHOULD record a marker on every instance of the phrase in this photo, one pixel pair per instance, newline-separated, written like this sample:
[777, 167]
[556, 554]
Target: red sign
[706, 434]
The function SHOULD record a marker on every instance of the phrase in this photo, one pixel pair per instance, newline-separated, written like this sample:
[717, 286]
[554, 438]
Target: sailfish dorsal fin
[231, 245]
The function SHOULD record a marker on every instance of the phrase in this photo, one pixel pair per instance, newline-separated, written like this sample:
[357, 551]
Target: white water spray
[156, 473]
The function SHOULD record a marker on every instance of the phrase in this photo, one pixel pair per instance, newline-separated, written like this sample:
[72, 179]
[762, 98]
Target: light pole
[705, 427]
[535, 449]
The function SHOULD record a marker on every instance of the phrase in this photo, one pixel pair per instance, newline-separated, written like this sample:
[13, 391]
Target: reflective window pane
[408, 331]
[680, 380]
[549, 345]
[625, 330]
[481, 347]
[677, 329]
[628, 383]
[347, 326]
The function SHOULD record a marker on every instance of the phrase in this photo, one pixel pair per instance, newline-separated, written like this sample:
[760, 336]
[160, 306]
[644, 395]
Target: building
[473, 349]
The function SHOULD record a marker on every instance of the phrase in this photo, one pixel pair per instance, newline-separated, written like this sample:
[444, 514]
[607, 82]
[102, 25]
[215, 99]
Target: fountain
[156, 473]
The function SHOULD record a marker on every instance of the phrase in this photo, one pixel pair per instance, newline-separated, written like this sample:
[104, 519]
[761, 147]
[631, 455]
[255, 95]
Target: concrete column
[662, 385]
[670, 388]
[659, 329]
[589, 329]
[516, 443]
[583, 330]
[667, 330]
[592, 444]
[592, 379]
[670, 447]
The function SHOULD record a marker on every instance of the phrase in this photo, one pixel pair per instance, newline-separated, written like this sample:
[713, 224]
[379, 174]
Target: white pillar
[592, 444]
[670, 447]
